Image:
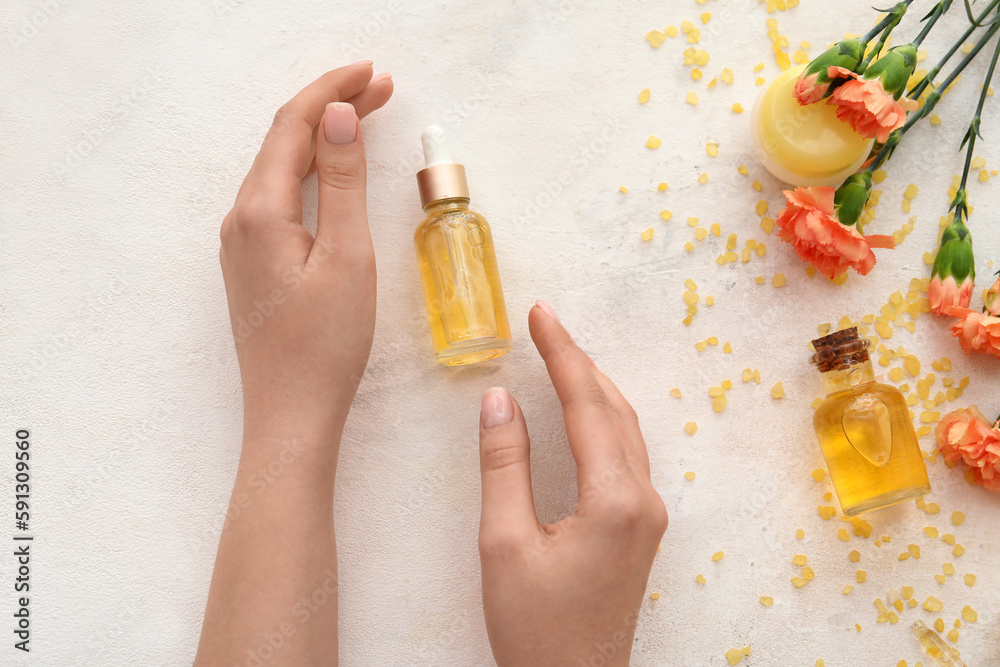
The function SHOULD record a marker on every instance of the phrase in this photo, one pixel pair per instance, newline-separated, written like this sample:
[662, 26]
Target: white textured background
[126, 130]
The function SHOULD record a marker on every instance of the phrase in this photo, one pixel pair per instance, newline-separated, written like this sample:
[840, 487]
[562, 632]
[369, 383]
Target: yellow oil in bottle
[864, 430]
[462, 290]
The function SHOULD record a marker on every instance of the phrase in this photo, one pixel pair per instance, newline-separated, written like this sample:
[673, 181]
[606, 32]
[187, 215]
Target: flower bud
[850, 198]
[814, 82]
[894, 69]
[954, 272]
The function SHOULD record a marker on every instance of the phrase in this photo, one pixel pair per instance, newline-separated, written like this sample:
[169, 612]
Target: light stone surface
[127, 130]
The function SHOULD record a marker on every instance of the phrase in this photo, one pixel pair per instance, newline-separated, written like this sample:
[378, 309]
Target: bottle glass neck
[442, 205]
[842, 379]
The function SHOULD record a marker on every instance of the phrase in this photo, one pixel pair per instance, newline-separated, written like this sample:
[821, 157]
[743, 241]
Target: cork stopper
[839, 350]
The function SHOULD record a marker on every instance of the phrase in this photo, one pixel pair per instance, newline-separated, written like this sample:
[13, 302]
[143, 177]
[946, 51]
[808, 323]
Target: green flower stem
[891, 17]
[973, 132]
[930, 102]
[891, 21]
[934, 71]
[936, 13]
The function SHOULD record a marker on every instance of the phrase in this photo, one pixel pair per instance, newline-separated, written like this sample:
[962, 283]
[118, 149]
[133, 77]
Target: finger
[629, 420]
[591, 424]
[504, 457]
[372, 98]
[342, 216]
[286, 154]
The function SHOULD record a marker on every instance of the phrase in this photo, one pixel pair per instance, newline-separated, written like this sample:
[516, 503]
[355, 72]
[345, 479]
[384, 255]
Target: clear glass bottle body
[867, 438]
[461, 281]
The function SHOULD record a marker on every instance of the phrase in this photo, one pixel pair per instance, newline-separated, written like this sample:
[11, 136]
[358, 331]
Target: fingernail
[380, 76]
[547, 309]
[498, 408]
[361, 62]
[340, 123]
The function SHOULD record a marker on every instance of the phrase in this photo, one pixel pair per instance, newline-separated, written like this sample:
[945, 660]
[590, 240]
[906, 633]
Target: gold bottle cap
[441, 178]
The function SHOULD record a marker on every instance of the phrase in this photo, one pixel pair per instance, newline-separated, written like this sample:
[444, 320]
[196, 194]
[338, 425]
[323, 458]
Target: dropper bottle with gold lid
[864, 429]
[458, 265]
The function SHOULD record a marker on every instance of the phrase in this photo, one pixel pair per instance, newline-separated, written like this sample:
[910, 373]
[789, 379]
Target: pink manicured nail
[498, 407]
[380, 76]
[547, 309]
[361, 62]
[340, 123]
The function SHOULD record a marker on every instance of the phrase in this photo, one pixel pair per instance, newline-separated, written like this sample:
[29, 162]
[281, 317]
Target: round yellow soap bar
[804, 145]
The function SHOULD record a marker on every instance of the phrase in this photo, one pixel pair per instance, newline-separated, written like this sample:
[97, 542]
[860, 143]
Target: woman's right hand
[566, 593]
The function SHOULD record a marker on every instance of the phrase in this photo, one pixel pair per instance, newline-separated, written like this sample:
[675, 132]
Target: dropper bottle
[458, 266]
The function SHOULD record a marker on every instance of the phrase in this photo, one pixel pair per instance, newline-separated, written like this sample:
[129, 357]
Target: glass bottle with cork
[864, 429]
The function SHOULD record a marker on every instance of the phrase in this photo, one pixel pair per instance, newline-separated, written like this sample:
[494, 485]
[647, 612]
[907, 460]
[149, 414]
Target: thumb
[342, 216]
[504, 456]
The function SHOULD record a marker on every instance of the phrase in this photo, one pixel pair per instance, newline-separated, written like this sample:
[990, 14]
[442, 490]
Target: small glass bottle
[458, 265]
[864, 429]
[804, 145]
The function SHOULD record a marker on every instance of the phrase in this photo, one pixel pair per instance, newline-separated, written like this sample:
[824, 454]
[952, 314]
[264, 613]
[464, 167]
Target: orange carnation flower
[865, 104]
[965, 435]
[975, 331]
[809, 223]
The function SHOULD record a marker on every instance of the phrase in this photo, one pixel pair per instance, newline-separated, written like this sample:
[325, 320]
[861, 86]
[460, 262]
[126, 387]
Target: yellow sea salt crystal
[932, 508]
[958, 550]
[726, 75]
[734, 656]
[727, 348]
[914, 549]
[843, 535]
[761, 207]
[799, 534]
[692, 98]
[759, 280]
[700, 578]
[767, 224]
[655, 38]
[712, 148]
[953, 635]
[759, 81]
[777, 391]
[933, 604]
[778, 280]
[969, 614]
[696, 74]
[799, 582]
[854, 556]
[818, 474]
[939, 625]
[807, 573]
[643, 95]
[737, 107]
[719, 404]
[689, 476]
[957, 518]
[949, 539]
[970, 580]
[731, 241]
[930, 531]
[690, 284]
[671, 31]
[691, 427]
[689, 246]
[896, 374]
[694, 36]
[847, 589]
[653, 142]
[686, 27]
[701, 57]
[709, 300]
[860, 576]
[911, 191]
[948, 568]
[703, 178]
[799, 559]
[935, 119]
[718, 555]
[705, 17]
[742, 170]
[700, 233]
[716, 229]
[675, 392]
[766, 600]
[662, 186]
[647, 235]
